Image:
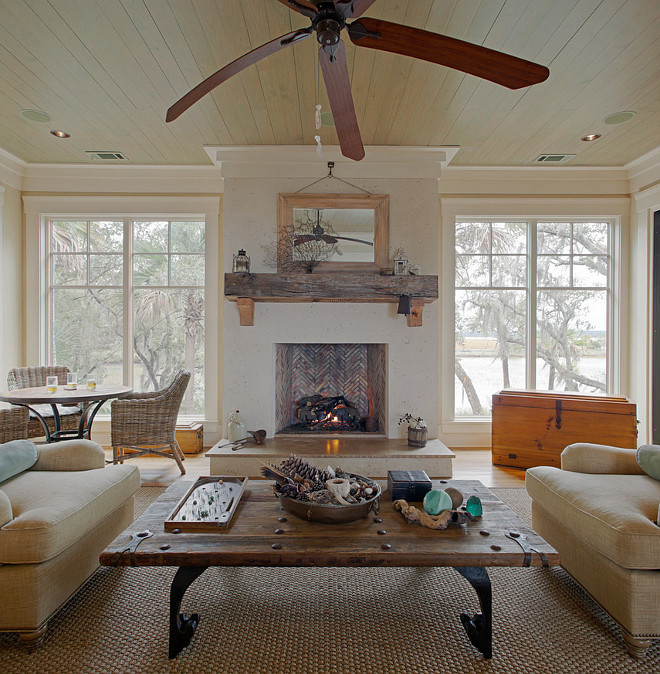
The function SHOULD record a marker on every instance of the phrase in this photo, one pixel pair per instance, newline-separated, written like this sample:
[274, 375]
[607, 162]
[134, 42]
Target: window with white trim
[126, 301]
[533, 300]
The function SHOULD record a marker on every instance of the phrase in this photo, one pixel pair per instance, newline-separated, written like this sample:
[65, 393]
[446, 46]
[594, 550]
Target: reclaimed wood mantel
[246, 289]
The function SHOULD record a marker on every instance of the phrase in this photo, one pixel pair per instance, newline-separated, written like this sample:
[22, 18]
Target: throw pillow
[648, 458]
[15, 457]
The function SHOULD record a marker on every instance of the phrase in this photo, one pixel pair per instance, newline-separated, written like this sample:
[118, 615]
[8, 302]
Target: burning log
[327, 411]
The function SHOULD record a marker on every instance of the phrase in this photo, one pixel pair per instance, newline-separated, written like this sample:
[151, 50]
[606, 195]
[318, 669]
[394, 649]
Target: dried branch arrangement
[298, 479]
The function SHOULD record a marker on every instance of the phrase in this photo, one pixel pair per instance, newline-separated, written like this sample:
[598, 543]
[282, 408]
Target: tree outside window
[91, 296]
[529, 287]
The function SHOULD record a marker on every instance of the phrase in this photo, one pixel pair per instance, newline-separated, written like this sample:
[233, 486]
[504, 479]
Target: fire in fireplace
[330, 388]
[317, 413]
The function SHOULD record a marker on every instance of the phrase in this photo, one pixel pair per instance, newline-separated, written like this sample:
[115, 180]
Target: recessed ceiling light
[35, 115]
[591, 136]
[619, 117]
[61, 134]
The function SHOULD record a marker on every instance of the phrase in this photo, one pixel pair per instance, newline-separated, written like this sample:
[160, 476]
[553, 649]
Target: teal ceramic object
[436, 501]
[474, 507]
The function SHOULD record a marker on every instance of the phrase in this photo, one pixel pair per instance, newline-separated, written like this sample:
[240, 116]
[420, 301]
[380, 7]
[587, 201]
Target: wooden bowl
[330, 513]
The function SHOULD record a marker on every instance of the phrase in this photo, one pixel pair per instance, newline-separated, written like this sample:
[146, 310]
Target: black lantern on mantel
[241, 263]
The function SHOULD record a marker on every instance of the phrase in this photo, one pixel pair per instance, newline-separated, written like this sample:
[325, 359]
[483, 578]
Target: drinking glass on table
[91, 382]
[72, 380]
[51, 384]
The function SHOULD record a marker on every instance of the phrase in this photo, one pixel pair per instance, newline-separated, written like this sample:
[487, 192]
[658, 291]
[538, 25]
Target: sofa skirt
[630, 596]
[31, 593]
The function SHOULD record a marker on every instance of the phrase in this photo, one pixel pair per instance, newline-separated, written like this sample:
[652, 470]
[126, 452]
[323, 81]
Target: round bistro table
[90, 401]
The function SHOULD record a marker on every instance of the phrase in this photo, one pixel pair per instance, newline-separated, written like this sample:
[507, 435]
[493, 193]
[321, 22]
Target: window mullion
[128, 303]
[530, 360]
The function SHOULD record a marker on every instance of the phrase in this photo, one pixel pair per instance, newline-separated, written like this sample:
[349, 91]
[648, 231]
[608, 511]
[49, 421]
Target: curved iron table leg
[479, 628]
[44, 423]
[84, 425]
[182, 627]
[90, 420]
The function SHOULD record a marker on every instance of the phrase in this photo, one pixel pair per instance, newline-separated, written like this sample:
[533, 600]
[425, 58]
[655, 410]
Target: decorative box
[410, 485]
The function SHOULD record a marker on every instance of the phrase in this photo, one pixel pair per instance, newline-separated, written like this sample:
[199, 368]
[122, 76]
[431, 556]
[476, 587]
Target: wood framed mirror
[344, 232]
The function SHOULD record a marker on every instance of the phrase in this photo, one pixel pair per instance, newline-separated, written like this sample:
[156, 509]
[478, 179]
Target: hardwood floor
[469, 464]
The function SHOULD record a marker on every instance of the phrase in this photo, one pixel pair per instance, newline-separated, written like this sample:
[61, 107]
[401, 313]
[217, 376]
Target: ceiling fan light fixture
[590, 137]
[60, 134]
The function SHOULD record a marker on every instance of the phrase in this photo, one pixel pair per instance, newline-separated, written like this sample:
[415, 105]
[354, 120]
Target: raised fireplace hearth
[330, 388]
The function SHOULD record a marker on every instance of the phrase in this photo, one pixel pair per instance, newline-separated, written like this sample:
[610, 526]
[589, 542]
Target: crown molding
[125, 179]
[67, 205]
[302, 161]
[11, 170]
[644, 172]
[534, 180]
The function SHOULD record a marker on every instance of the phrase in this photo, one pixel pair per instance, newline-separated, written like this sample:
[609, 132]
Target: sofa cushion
[6, 513]
[648, 458]
[15, 457]
[53, 510]
[614, 514]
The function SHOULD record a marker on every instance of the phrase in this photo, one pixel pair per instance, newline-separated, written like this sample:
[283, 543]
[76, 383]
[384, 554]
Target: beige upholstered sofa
[55, 519]
[599, 511]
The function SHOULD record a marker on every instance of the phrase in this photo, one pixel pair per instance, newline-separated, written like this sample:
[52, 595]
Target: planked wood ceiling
[107, 70]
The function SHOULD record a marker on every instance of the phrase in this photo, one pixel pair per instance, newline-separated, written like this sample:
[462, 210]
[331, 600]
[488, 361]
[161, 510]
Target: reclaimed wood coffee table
[262, 534]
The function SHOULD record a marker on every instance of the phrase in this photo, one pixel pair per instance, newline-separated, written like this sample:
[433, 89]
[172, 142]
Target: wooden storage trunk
[190, 438]
[532, 428]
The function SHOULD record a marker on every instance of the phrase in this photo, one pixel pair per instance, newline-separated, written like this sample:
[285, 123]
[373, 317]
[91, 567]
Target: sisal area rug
[329, 621]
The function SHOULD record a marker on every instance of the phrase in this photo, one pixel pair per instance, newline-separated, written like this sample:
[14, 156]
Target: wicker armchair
[13, 423]
[26, 377]
[146, 423]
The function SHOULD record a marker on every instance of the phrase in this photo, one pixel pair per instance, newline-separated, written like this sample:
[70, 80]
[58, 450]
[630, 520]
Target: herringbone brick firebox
[356, 371]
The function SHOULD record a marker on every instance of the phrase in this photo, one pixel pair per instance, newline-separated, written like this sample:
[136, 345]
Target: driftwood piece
[441, 521]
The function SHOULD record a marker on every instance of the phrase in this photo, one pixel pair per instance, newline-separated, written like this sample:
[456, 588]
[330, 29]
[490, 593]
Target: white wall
[250, 222]
[407, 174]
[645, 190]
[11, 274]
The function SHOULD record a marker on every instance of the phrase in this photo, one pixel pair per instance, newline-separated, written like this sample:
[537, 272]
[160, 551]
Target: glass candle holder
[51, 384]
[72, 380]
[91, 382]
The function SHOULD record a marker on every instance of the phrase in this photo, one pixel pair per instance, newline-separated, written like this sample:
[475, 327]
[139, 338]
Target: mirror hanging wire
[331, 165]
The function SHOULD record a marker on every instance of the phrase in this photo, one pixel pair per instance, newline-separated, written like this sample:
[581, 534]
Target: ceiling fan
[319, 234]
[329, 18]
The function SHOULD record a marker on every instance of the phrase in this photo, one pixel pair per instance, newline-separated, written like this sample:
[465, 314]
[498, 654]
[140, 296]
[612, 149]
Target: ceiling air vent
[103, 155]
[553, 158]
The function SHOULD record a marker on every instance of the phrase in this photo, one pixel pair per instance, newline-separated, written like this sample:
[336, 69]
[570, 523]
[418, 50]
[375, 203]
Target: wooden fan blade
[351, 9]
[348, 238]
[233, 68]
[301, 6]
[299, 239]
[496, 66]
[338, 86]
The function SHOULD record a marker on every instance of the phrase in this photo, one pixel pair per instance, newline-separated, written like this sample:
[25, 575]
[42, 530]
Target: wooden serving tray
[208, 505]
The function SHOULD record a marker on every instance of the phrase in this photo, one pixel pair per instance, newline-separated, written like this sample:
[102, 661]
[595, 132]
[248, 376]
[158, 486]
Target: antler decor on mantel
[246, 289]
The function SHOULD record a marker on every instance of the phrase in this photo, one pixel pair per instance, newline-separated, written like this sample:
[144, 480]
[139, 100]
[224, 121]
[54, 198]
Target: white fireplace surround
[253, 178]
